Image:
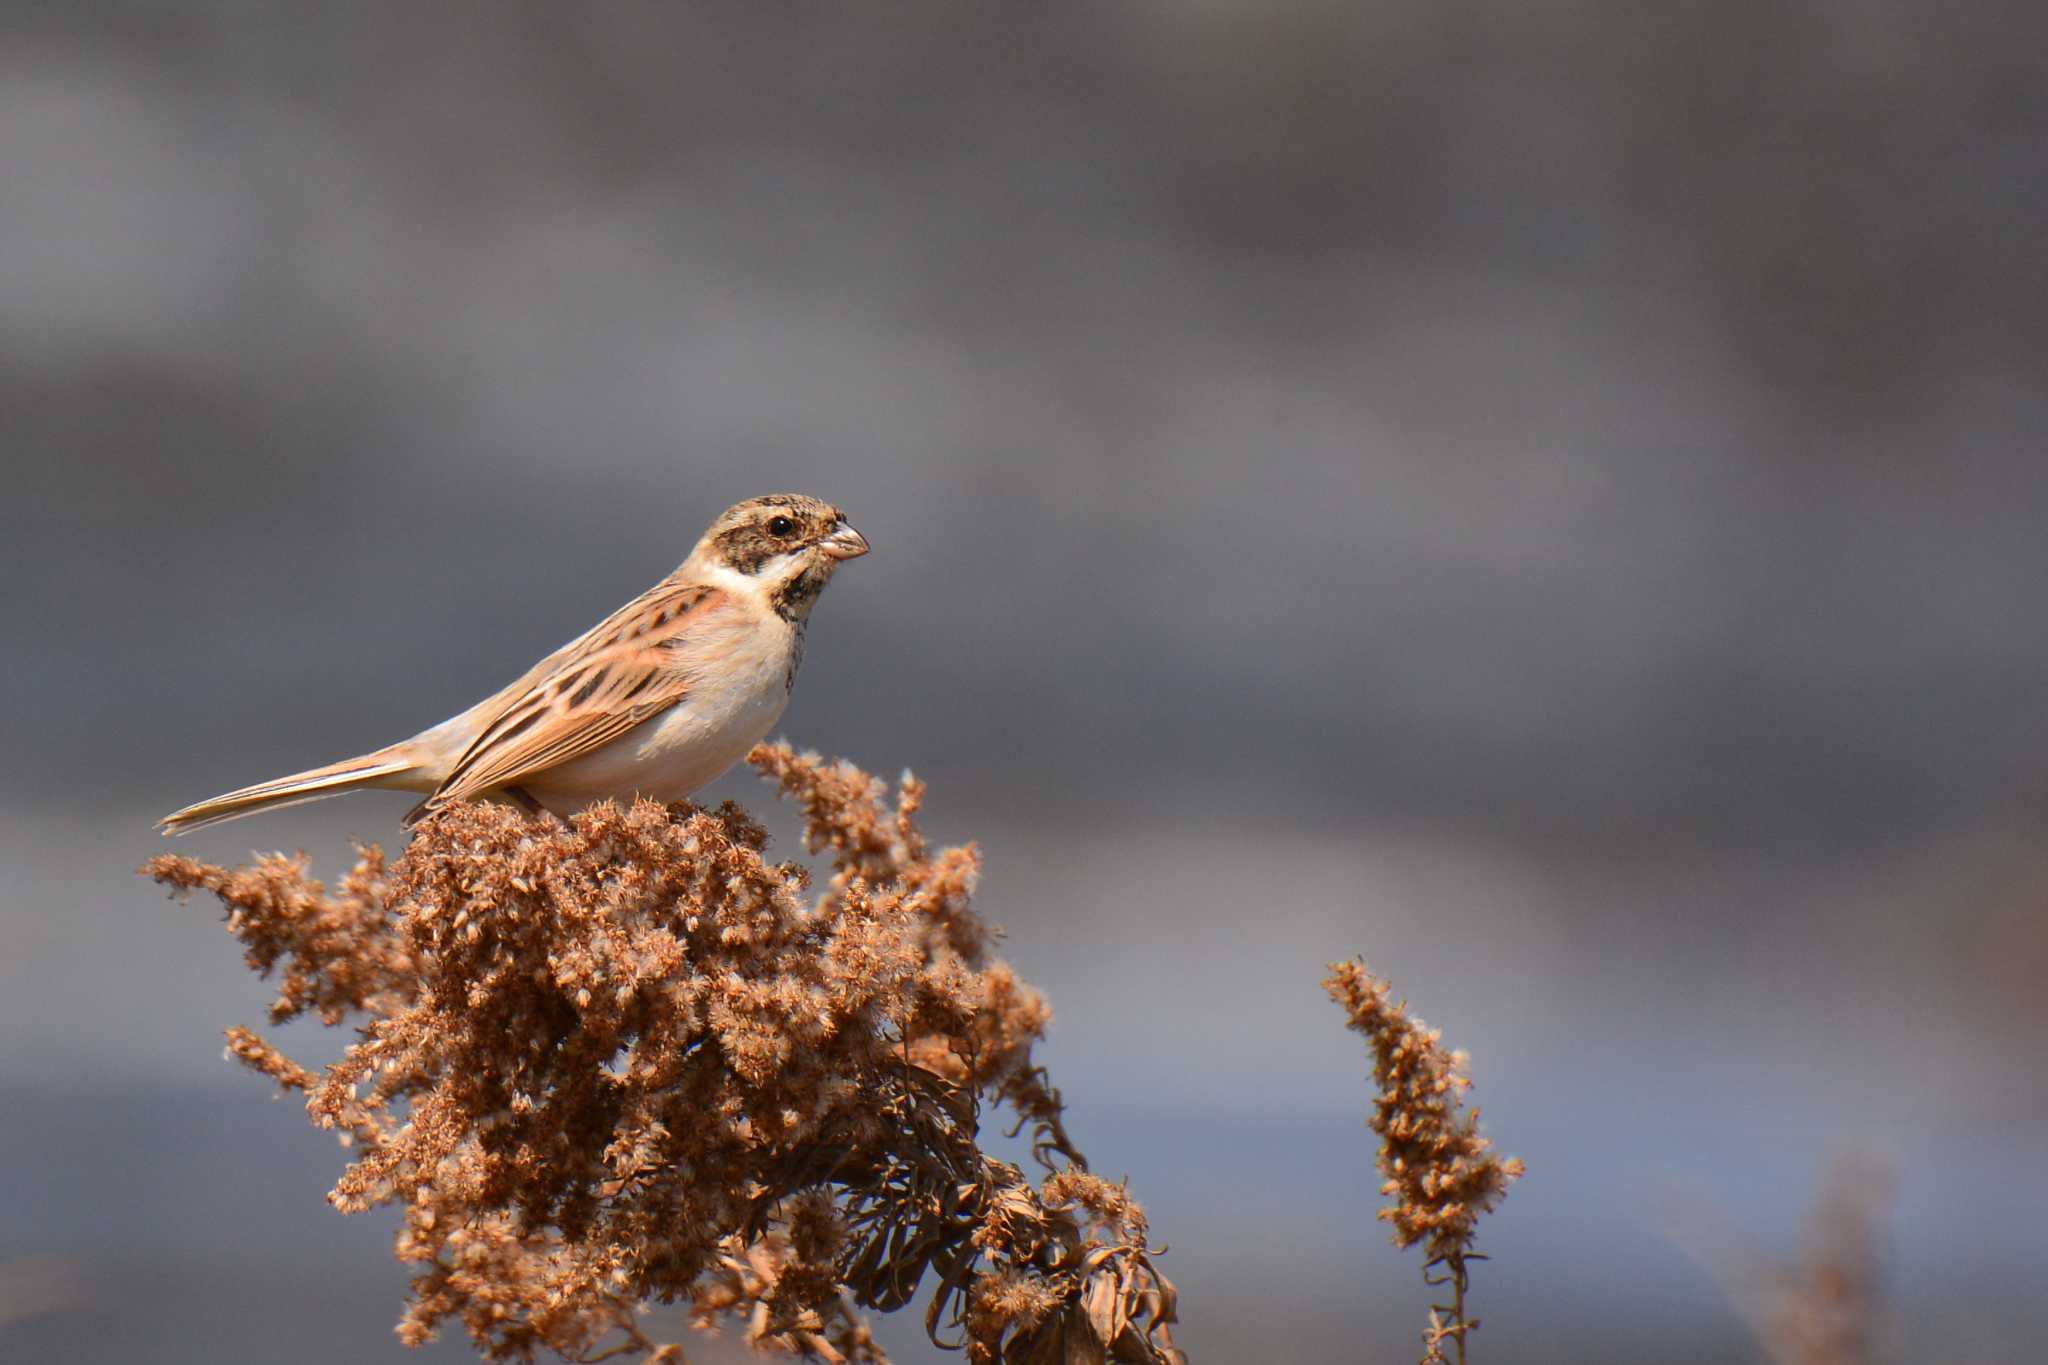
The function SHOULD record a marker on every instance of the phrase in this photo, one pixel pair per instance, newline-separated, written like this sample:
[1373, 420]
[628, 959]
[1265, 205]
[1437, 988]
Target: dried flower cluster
[628, 1060]
[1441, 1174]
[1828, 1308]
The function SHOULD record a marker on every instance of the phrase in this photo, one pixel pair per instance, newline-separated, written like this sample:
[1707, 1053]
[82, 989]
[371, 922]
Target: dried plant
[1827, 1308]
[628, 1060]
[1441, 1174]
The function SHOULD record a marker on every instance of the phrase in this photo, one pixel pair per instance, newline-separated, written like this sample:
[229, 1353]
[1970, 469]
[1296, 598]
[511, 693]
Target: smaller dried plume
[629, 1060]
[1831, 1309]
[1441, 1174]
[1827, 1308]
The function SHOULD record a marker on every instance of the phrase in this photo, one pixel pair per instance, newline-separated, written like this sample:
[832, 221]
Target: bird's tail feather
[351, 774]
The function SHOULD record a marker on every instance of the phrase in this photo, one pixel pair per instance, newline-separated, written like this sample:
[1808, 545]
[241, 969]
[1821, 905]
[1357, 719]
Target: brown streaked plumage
[657, 699]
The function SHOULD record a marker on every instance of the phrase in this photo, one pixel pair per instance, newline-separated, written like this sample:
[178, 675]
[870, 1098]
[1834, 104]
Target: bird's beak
[844, 542]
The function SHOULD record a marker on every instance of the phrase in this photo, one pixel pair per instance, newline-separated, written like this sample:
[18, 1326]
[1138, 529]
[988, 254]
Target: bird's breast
[738, 684]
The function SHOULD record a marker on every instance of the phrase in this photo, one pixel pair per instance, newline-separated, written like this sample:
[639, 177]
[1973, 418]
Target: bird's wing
[622, 672]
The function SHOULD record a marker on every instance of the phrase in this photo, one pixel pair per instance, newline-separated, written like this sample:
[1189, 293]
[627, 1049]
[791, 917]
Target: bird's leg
[523, 799]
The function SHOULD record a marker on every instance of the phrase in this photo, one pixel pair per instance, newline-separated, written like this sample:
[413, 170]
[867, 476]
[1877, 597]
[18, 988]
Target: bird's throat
[795, 595]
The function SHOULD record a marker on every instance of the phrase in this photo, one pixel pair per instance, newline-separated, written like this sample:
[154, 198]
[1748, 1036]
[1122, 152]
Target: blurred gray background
[1549, 498]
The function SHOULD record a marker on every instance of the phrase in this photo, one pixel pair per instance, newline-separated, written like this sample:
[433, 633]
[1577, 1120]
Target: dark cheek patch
[747, 548]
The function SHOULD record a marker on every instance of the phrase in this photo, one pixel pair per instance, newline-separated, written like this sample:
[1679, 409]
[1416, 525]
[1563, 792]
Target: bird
[656, 700]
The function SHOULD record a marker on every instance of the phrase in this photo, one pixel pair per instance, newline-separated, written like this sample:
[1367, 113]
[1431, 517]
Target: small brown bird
[656, 700]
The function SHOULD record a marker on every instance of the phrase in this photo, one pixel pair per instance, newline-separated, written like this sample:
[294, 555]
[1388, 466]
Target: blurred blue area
[1548, 500]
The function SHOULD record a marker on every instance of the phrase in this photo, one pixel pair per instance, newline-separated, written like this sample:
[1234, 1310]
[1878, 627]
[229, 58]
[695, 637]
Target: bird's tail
[384, 768]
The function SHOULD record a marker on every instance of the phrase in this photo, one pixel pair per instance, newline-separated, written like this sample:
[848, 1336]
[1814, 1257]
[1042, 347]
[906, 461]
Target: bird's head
[783, 544]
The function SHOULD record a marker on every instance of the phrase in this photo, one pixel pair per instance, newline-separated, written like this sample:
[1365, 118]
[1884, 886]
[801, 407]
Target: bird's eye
[780, 526]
